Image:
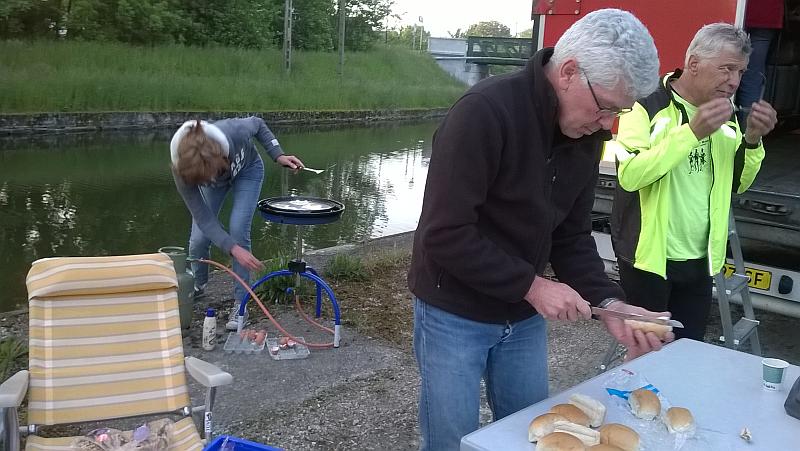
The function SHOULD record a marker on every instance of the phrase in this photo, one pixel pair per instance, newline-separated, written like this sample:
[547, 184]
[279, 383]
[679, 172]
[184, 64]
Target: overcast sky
[442, 16]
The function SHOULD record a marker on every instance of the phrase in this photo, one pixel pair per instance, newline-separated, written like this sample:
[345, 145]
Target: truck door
[672, 23]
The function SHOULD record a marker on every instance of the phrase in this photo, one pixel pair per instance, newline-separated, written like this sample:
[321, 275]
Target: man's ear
[692, 65]
[567, 73]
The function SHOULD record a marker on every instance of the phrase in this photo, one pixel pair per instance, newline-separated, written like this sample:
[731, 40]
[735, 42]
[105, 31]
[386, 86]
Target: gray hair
[714, 38]
[612, 46]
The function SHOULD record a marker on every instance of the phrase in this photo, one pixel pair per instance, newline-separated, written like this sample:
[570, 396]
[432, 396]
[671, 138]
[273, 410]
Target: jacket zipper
[710, 195]
[439, 279]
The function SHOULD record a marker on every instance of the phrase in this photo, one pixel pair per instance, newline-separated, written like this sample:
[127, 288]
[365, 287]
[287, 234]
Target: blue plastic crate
[239, 444]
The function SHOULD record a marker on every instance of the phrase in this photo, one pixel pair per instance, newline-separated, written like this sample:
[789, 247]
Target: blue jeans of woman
[752, 80]
[455, 353]
[245, 190]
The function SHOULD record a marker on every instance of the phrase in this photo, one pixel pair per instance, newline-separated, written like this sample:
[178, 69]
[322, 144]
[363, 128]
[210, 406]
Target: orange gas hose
[266, 311]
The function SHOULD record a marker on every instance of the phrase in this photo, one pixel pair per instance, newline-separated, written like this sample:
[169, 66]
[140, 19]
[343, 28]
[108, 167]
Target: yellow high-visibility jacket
[653, 139]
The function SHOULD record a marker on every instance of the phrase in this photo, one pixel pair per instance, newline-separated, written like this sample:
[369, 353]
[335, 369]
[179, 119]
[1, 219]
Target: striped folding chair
[105, 343]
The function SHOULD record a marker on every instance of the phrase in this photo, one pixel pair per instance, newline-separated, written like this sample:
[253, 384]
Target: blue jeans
[454, 353]
[752, 80]
[246, 189]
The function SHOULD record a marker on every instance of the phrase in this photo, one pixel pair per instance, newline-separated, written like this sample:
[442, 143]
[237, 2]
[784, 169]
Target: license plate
[759, 279]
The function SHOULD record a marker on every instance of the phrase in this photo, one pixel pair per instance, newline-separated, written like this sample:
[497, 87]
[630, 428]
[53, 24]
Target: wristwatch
[747, 145]
[608, 301]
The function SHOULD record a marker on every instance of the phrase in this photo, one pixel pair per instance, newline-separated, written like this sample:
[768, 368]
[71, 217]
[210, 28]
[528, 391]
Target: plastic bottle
[210, 330]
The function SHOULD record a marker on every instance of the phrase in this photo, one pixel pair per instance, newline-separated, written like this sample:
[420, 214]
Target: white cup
[773, 372]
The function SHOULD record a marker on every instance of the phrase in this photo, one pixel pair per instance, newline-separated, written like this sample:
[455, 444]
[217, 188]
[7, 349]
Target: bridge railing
[494, 48]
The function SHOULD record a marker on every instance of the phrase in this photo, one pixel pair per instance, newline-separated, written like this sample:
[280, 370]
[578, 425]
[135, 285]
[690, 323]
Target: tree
[456, 34]
[526, 33]
[148, 22]
[409, 36]
[313, 29]
[489, 29]
[364, 22]
[235, 23]
[30, 18]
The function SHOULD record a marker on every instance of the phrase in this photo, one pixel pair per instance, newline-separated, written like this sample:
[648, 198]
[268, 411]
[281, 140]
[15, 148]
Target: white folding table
[720, 386]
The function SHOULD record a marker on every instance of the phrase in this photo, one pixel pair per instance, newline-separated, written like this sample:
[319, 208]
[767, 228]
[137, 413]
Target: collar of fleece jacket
[545, 100]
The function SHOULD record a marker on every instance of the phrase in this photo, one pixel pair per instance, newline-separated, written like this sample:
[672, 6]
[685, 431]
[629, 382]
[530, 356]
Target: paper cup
[773, 371]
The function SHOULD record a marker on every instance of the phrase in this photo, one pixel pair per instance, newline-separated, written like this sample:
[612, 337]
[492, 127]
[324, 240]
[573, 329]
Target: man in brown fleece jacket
[510, 188]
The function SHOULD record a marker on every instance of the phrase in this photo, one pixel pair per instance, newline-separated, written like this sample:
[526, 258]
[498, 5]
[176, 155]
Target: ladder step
[736, 283]
[743, 329]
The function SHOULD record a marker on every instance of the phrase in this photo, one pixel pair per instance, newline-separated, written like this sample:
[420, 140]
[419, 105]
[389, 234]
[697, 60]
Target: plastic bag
[152, 436]
[653, 433]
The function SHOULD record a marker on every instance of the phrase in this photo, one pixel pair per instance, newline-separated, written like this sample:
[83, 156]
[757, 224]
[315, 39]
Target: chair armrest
[13, 390]
[206, 374]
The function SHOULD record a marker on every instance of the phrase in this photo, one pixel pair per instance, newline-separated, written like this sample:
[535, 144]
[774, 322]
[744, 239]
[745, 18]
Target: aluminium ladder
[746, 328]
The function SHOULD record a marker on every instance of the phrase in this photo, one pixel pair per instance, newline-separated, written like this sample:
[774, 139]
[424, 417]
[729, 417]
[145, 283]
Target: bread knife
[648, 319]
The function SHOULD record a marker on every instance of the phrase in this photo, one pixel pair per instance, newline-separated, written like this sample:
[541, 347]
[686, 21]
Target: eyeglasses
[604, 111]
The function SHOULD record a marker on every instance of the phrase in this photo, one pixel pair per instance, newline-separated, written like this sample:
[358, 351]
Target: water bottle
[210, 330]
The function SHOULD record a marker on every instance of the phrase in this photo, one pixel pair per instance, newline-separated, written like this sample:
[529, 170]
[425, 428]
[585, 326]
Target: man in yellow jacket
[680, 153]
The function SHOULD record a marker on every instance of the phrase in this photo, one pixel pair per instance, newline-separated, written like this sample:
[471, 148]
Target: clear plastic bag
[653, 434]
[152, 436]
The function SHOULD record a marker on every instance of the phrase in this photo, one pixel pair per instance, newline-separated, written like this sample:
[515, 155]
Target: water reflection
[111, 193]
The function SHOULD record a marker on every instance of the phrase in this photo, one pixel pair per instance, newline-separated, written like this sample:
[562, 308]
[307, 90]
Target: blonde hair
[200, 158]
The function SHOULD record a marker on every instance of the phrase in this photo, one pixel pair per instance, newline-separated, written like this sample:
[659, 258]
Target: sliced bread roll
[586, 435]
[543, 425]
[620, 436]
[571, 413]
[559, 441]
[659, 329]
[594, 409]
[644, 404]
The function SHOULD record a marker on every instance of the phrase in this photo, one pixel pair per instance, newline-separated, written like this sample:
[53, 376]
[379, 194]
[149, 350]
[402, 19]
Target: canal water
[112, 193]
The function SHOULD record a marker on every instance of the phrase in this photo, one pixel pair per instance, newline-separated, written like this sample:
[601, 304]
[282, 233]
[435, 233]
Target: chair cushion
[68, 276]
[104, 339]
[184, 438]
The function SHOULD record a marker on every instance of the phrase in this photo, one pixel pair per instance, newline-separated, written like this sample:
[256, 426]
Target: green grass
[90, 76]
[344, 267]
[12, 354]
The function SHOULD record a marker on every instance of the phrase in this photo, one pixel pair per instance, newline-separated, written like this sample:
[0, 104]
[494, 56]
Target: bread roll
[644, 404]
[620, 436]
[571, 413]
[559, 441]
[594, 409]
[679, 420]
[602, 447]
[543, 425]
[659, 329]
[586, 435]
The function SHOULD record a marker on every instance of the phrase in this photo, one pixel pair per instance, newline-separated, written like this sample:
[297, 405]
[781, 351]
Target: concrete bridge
[468, 59]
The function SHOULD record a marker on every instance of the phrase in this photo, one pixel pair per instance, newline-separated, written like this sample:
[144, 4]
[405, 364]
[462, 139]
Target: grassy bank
[87, 76]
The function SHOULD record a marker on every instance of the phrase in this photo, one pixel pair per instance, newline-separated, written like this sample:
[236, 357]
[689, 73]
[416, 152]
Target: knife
[648, 319]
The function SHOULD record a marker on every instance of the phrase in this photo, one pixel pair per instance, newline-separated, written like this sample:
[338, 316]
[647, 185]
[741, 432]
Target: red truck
[767, 215]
